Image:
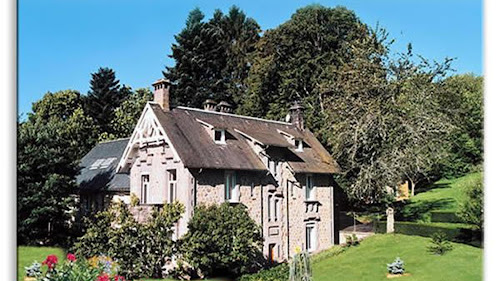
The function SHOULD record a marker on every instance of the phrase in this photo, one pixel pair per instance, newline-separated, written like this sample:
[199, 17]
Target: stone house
[278, 170]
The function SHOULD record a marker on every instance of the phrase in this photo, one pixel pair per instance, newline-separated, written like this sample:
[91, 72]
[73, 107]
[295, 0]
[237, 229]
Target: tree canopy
[212, 58]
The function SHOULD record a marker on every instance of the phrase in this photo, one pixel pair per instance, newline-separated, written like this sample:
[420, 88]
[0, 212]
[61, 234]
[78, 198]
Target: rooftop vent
[210, 105]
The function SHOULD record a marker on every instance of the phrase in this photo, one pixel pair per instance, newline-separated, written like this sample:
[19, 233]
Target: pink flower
[50, 261]
[71, 257]
[104, 277]
[119, 278]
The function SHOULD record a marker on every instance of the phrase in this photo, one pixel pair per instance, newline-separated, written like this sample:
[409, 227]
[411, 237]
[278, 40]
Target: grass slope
[367, 262]
[443, 195]
[26, 255]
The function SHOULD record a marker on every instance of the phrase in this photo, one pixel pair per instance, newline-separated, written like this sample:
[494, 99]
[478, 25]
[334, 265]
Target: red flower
[71, 257]
[50, 261]
[119, 278]
[104, 277]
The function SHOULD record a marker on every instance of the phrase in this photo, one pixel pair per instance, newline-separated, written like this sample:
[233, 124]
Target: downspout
[288, 219]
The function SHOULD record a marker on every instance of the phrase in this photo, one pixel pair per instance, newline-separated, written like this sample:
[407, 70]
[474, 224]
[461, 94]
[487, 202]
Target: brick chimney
[162, 93]
[297, 115]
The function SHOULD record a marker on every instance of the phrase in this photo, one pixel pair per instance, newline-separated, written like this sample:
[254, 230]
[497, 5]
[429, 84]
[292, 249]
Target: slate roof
[103, 177]
[197, 149]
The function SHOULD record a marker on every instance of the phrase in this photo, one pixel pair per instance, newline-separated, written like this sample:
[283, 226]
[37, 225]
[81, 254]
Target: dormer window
[220, 136]
[299, 145]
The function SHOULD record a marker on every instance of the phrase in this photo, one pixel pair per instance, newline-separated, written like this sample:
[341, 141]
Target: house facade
[278, 170]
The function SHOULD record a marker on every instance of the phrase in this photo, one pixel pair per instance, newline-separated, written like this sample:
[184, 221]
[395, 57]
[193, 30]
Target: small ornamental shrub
[472, 209]
[397, 267]
[280, 272]
[34, 270]
[222, 240]
[139, 248]
[73, 269]
[300, 267]
[439, 244]
[351, 240]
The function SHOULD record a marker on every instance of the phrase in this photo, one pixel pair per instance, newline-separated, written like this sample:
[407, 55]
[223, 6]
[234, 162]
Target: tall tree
[462, 97]
[51, 141]
[125, 116]
[104, 96]
[212, 58]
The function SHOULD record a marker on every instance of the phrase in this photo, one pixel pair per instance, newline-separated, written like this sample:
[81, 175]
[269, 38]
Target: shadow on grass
[428, 186]
[420, 210]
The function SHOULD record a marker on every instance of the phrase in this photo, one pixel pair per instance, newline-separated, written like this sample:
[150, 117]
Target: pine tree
[104, 96]
[212, 58]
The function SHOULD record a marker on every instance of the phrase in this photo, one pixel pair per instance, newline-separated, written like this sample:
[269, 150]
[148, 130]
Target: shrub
[139, 248]
[445, 216]
[222, 240]
[277, 273]
[300, 267]
[34, 270]
[455, 232]
[352, 240]
[397, 267]
[439, 244]
[471, 210]
[73, 269]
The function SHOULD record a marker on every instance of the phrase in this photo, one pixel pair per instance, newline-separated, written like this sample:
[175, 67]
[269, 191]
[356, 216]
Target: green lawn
[26, 255]
[367, 262]
[443, 195]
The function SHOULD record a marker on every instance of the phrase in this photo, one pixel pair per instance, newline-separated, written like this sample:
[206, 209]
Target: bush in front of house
[351, 240]
[72, 269]
[439, 244]
[396, 267]
[300, 267]
[222, 240]
[277, 273]
[139, 248]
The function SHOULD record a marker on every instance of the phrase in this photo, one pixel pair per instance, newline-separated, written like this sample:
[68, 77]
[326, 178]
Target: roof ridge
[235, 115]
[108, 141]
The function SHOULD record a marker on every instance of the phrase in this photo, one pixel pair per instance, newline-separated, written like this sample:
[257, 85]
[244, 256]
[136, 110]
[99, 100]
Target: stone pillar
[390, 220]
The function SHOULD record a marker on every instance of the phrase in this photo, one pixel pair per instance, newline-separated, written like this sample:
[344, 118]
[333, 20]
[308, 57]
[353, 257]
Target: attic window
[102, 163]
[299, 145]
[220, 136]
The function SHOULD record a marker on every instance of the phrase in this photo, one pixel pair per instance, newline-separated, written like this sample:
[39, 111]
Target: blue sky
[61, 41]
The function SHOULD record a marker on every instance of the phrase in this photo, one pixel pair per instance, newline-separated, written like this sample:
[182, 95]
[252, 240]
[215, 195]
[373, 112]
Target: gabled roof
[197, 149]
[99, 165]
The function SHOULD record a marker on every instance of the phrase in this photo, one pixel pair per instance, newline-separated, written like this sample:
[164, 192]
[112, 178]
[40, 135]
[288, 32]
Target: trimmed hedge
[445, 216]
[462, 233]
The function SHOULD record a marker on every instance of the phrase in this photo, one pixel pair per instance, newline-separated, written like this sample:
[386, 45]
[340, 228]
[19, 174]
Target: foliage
[439, 244]
[300, 267]
[212, 58]
[125, 116]
[26, 255]
[352, 240]
[471, 210]
[104, 97]
[73, 269]
[280, 272]
[444, 216]
[462, 97]
[222, 240]
[52, 139]
[34, 270]
[139, 248]
[396, 267]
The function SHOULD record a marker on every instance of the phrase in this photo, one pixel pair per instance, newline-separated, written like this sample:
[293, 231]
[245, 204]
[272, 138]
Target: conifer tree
[104, 96]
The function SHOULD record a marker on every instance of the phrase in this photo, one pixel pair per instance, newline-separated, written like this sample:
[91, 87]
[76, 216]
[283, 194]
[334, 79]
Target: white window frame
[172, 185]
[311, 237]
[145, 188]
[231, 191]
[310, 189]
[222, 136]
